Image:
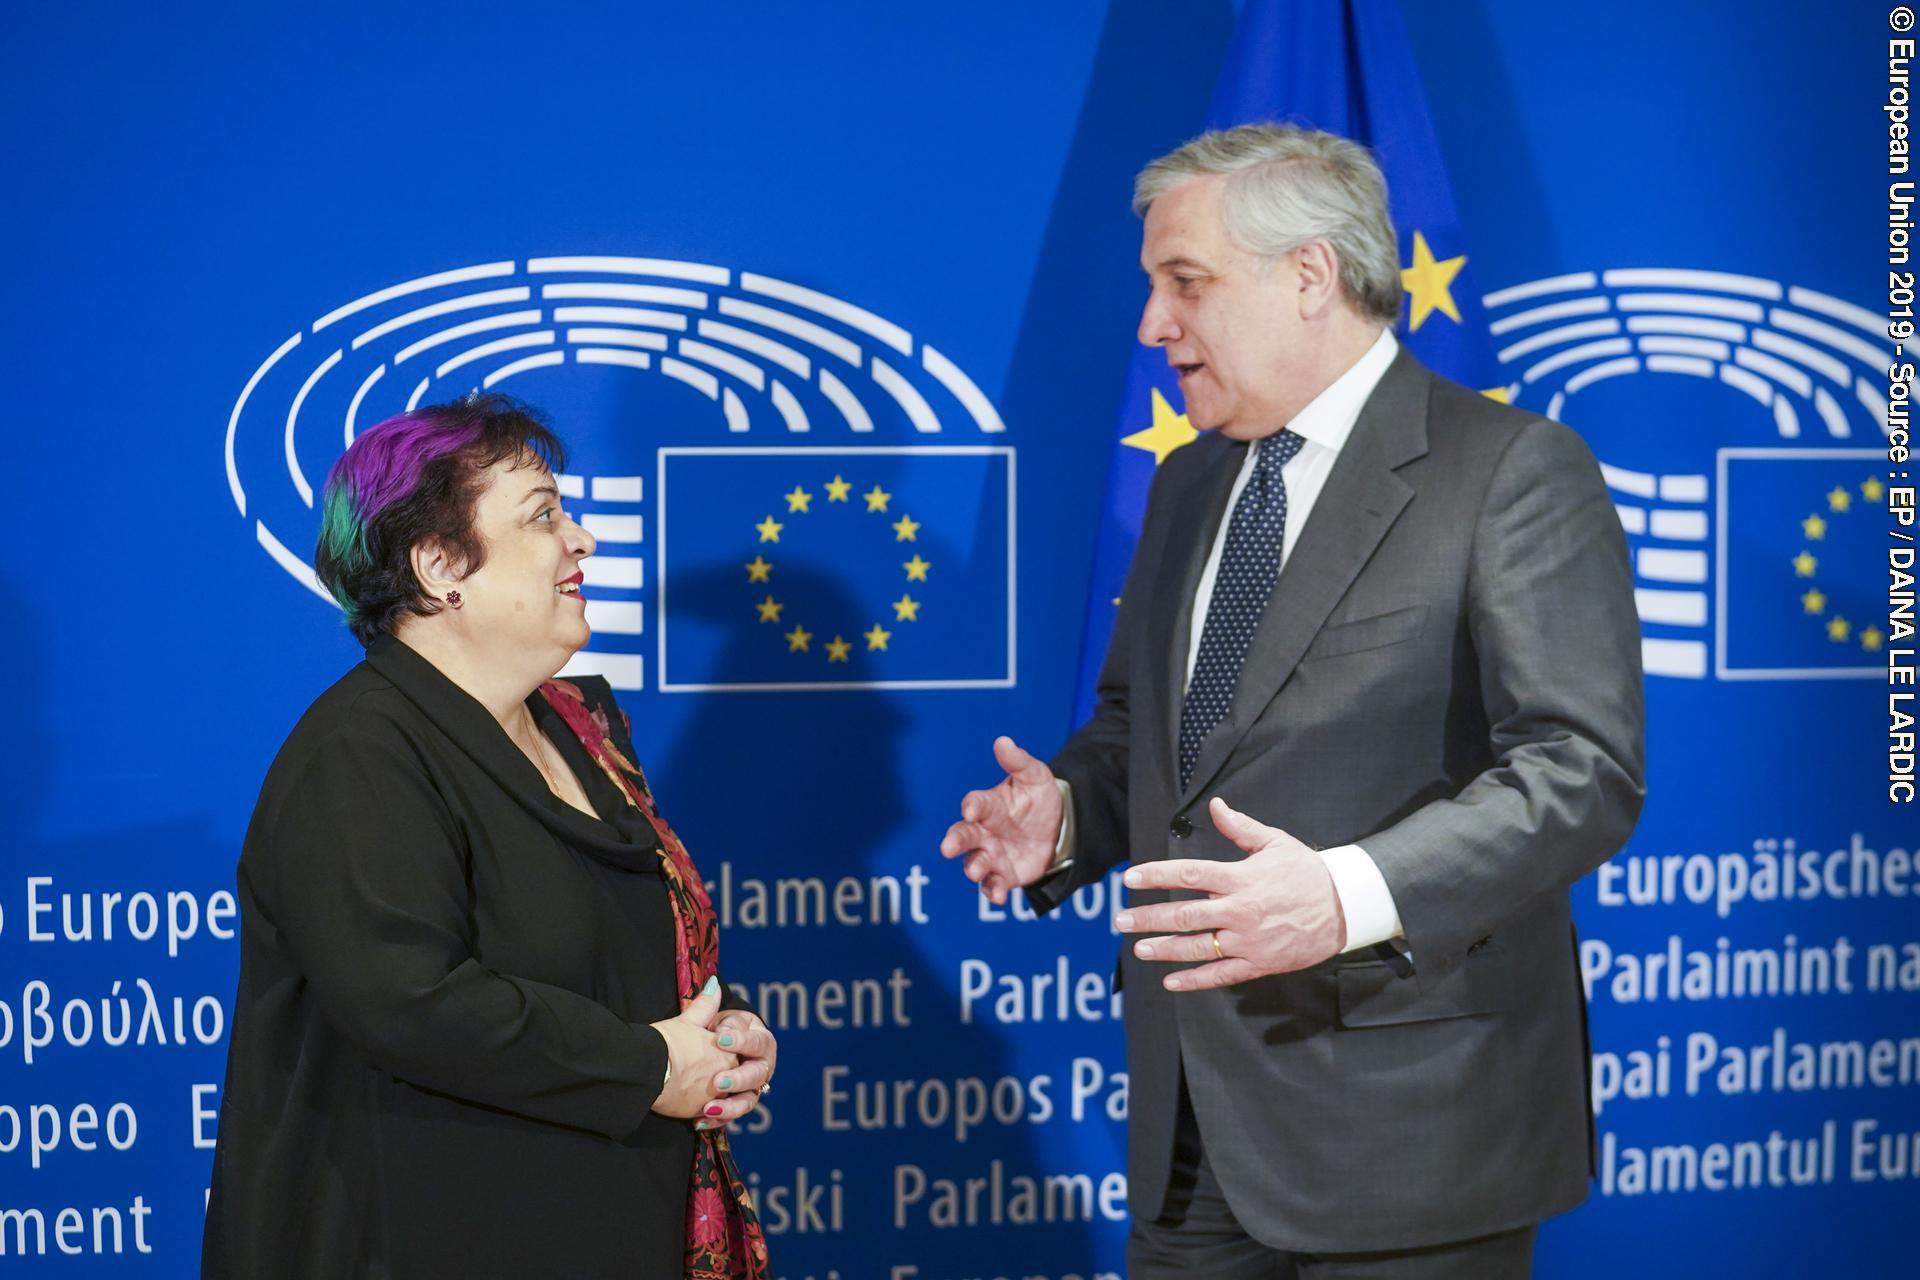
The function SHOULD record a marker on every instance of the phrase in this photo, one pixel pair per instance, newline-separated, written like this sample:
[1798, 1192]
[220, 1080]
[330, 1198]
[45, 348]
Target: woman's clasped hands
[722, 1061]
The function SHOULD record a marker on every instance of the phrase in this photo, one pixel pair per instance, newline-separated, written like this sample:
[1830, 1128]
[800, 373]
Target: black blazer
[440, 1061]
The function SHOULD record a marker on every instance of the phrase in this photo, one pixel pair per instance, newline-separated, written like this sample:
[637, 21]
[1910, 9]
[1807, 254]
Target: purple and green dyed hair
[411, 478]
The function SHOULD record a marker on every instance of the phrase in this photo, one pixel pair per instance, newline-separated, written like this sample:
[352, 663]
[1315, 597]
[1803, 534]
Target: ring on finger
[767, 1087]
[1217, 952]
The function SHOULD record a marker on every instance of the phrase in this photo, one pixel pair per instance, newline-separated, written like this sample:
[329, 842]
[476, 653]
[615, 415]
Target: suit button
[1180, 827]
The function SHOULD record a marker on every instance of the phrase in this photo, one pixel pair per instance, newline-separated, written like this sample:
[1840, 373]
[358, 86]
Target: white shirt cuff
[1063, 847]
[1365, 900]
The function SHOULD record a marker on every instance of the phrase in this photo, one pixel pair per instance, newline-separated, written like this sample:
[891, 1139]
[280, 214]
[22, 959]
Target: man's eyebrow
[1170, 264]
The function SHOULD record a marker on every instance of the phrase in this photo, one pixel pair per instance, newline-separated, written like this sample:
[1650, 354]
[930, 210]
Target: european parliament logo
[1728, 413]
[667, 379]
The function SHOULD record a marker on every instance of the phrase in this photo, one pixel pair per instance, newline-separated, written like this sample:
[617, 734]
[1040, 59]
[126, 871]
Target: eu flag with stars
[1802, 552]
[836, 568]
[1344, 66]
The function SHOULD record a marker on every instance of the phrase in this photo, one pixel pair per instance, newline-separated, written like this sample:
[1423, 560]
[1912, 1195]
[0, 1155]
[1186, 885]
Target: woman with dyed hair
[480, 1029]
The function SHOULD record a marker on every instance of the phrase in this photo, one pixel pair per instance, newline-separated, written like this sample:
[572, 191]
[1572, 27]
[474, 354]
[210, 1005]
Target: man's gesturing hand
[1274, 911]
[1008, 834]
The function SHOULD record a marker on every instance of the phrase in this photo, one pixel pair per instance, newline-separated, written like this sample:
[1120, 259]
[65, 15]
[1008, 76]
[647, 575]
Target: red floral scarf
[724, 1241]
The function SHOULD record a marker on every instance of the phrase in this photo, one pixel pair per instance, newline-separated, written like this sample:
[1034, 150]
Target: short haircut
[1286, 186]
[411, 478]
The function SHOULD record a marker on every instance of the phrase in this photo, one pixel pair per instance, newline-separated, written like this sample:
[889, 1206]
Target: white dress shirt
[1323, 426]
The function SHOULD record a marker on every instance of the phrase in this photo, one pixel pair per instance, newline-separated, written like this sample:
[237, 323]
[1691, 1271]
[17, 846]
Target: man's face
[1230, 321]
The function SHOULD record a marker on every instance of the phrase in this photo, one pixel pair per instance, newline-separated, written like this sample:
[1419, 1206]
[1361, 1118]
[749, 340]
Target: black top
[440, 1061]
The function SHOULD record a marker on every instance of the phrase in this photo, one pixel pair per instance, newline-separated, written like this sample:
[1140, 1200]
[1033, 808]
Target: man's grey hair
[1286, 186]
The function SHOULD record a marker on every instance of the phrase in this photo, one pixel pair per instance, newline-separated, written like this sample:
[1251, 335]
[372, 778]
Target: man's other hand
[1274, 911]
[1008, 834]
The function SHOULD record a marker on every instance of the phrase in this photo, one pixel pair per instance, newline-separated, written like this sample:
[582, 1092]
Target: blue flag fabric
[1347, 68]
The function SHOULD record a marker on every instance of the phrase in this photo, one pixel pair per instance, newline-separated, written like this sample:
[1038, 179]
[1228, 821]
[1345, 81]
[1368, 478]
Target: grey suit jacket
[1448, 673]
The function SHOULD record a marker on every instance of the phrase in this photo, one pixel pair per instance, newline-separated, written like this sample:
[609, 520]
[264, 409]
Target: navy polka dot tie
[1249, 566]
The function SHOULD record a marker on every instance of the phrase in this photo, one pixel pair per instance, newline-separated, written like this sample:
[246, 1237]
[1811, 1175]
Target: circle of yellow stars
[1813, 601]
[800, 503]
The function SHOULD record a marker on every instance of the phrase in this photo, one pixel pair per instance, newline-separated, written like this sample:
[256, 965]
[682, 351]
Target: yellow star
[799, 639]
[837, 649]
[1814, 602]
[1804, 565]
[769, 609]
[1839, 499]
[798, 500]
[1871, 489]
[1499, 395]
[1814, 527]
[1870, 639]
[877, 638]
[757, 569]
[906, 529]
[837, 489]
[916, 568]
[1429, 284]
[1838, 629]
[906, 609]
[877, 498]
[769, 529]
[1169, 431]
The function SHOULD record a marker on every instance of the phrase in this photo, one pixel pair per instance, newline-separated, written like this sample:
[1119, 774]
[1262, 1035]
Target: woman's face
[525, 603]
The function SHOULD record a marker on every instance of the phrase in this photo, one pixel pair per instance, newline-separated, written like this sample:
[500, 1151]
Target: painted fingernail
[1144, 950]
[726, 1042]
[713, 985]
[702, 1124]
[714, 1110]
[726, 1082]
[1124, 921]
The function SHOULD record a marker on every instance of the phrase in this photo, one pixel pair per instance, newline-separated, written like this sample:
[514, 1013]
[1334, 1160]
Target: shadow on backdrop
[1087, 282]
[772, 787]
[1500, 158]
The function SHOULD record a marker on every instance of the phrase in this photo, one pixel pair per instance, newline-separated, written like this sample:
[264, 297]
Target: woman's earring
[453, 598]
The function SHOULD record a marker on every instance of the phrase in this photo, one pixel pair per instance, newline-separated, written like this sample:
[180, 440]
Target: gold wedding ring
[1218, 953]
[767, 1087]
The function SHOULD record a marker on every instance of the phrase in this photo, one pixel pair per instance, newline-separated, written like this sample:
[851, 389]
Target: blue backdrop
[835, 303]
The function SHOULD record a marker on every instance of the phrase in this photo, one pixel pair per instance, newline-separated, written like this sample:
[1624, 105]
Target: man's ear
[435, 568]
[1319, 268]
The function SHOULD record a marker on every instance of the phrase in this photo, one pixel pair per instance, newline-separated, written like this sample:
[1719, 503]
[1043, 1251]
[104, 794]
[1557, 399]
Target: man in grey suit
[1382, 630]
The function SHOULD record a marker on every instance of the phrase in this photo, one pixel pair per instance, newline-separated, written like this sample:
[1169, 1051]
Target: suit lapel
[1362, 498]
[1188, 542]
